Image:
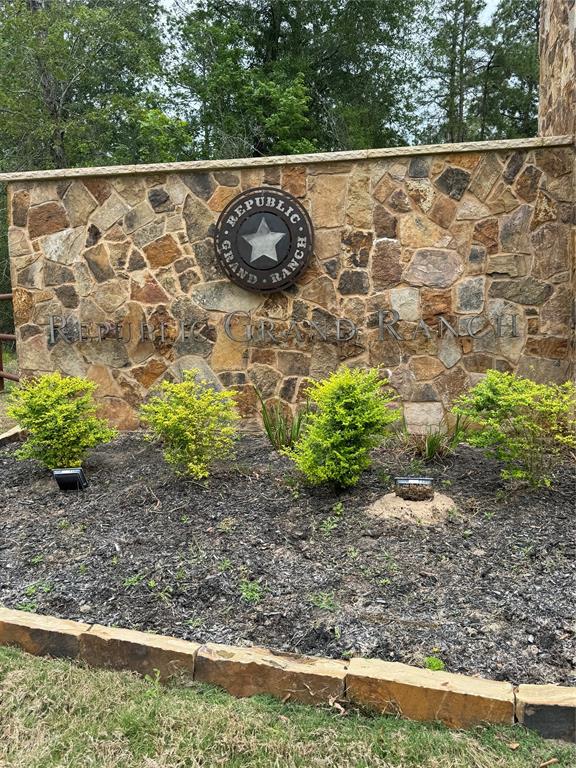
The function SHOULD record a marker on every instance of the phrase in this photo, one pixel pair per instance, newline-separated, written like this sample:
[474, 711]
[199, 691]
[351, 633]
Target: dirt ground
[254, 556]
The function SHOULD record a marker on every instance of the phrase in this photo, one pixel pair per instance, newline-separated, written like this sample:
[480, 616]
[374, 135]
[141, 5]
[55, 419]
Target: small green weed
[323, 600]
[251, 591]
[133, 581]
[434, 663]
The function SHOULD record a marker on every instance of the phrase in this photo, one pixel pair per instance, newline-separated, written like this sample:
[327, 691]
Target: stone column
[557, 110]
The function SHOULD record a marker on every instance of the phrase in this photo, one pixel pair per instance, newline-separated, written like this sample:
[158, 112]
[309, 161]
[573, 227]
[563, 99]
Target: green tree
[450, 63]
[506, 104]
[273, 76]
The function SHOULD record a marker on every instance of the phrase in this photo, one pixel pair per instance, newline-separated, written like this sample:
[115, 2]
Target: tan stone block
[421, 694]
[40, 635]
[228, 355]
[359, 205]
[550, 347]
[486, 176]
[422, 418]
[417, 231]
[443, 211]
[221, 198]
[131, 188]
[19, 245]
[502, 199]
[20, 202]
[320, 291]
[141, 652]
[384, 188]
[162, 251]
[111, 211]
[470, 208]
[327, 243]
[79, 203]
[294, 180]
[425, 367]
[252, 671]
[328, 198]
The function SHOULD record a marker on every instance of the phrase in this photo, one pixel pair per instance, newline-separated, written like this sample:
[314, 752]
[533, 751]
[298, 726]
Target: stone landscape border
[459, 701]
[317, 157]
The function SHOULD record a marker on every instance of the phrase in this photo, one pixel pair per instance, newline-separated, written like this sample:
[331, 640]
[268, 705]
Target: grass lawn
[56, 713]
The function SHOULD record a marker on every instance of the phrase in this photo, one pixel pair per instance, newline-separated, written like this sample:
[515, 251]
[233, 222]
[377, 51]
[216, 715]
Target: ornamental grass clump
[351, 415]
[194, 421]
[58, 414]
[527, 426]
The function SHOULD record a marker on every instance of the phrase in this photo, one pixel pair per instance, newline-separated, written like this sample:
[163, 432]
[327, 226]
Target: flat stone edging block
[143, 652]
[251, 671]
[41, 635]
[13, 435]
[548, 709]
[422, 694]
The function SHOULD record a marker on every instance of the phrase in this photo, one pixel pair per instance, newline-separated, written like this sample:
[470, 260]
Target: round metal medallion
[264, 239]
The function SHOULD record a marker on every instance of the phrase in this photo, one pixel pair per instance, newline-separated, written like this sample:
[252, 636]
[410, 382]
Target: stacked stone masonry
[557, 105]
[453, 235]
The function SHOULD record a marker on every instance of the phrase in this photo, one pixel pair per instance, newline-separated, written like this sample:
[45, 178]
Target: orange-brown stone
[45, 219]
[252, 671]
[98, 188]
[140, 652]
[40, 635]
[294, 180]
[421, 694]
[162, 251]
[149, 373]
[148, 292]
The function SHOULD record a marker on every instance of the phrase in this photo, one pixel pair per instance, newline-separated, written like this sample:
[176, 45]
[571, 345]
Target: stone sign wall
[436, 264]
[557, 104]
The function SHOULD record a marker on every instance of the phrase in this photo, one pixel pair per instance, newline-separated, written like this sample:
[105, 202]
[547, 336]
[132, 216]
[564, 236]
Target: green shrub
[59, 416]
[282, 429]
[526, 425]
[351, 416]
[195, 423]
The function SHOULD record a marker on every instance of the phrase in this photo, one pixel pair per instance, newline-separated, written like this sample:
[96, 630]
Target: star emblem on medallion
[264, 242]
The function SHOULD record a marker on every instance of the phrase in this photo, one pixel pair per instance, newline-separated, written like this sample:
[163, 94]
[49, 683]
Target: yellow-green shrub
[526, 425]
[351, 416]
[59, 416]
[194, 422]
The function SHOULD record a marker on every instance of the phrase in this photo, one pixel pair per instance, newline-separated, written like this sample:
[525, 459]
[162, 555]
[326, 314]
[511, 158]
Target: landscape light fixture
[414, 488]
[70, 478]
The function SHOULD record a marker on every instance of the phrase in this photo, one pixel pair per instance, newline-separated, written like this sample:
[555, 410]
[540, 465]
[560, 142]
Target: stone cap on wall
[319, 157]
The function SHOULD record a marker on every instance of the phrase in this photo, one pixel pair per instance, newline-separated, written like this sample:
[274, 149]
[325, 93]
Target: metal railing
[6, 337]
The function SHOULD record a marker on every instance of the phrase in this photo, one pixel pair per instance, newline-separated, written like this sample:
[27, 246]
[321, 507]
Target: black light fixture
[414, 488]
[70, 478]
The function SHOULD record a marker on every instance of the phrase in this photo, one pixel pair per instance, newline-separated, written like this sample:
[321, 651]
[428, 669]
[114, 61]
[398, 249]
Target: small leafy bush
[59, 416]
[350, 418]
[195, 422]
[282, 429]
[526, 425]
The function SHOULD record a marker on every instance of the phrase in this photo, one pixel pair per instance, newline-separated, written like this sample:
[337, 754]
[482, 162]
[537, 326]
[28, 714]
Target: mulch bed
[491, 590]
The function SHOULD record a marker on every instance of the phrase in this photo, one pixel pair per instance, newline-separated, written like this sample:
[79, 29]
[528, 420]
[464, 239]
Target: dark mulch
[491, 591]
